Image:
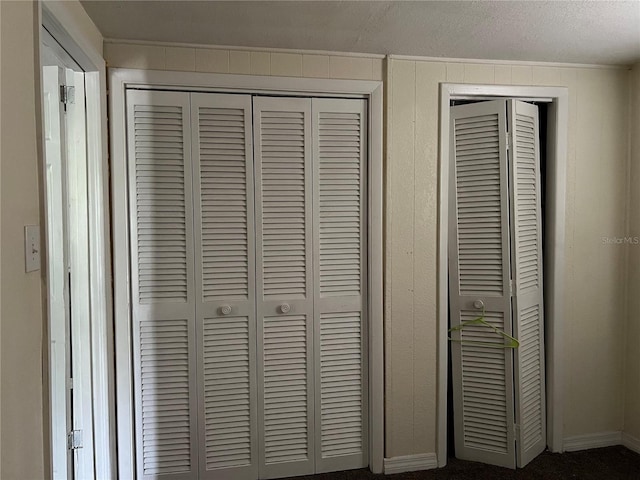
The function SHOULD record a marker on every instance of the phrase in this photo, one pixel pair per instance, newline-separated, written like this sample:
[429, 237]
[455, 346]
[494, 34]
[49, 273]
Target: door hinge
[509, 140]
[74, 439]
[511, 288]
[516, 430]
[67, 94]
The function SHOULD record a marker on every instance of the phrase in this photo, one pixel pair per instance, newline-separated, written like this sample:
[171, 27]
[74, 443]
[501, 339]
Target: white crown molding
[592, 440]
[243, 49]
[410, 463]
[519, 63]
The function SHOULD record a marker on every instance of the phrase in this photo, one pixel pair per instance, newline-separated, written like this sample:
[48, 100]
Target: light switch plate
[32, 247]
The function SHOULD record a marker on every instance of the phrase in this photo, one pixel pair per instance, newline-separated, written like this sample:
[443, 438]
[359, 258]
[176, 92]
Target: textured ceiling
[601, 32]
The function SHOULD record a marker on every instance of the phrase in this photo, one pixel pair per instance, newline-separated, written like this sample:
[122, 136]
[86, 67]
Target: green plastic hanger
[513, 343]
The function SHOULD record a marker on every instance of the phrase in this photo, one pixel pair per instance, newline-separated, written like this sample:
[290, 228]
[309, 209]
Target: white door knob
[285, 308]
[479, 304]
[225, 309]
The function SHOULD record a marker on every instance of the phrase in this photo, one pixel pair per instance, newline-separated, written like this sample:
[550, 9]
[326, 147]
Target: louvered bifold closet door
[162, 284]
[479, 272]
[339, 225]
[225, 280]
[528, 323]
[282, 145]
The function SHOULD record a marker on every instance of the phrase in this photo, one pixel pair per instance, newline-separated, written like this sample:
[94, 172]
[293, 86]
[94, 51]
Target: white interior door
[163, 296]
[57, 264]
[528, 311]
[339, 283]
[283, 177]
[249, 289]
[495, 265]
[68, 257]
[80, 293]
[225, 285]
[479, 271]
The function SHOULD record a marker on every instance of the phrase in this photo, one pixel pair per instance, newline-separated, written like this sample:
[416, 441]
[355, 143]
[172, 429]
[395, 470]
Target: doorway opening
[514, 169]
[73, 162]
[124, 81]
[64, 124]
[553, 171]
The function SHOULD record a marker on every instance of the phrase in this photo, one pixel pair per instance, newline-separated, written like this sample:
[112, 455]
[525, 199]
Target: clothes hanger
[513, 342]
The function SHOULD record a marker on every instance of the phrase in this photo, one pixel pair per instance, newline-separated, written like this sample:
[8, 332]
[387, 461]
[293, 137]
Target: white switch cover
[32, 247]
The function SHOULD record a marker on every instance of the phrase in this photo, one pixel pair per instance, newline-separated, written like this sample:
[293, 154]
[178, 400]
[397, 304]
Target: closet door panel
[225, 274]
[282, 137]
[339, 223]
[163, 291]
[528, 314]
[479, 274]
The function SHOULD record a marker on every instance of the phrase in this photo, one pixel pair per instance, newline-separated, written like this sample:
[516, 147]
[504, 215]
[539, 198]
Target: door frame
[122, 79]
[69, 32]
[553, 261]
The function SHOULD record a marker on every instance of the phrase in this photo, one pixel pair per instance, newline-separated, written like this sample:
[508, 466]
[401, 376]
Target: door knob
[479, 304]
[225, 309]
[285, 308]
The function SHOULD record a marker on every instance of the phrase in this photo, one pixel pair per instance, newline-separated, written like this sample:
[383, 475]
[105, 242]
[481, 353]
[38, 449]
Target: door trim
[72, 35]
[556, 193]
[122, 79]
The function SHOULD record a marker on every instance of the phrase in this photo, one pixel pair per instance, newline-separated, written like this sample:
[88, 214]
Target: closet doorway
[251, 258]
[491, 262]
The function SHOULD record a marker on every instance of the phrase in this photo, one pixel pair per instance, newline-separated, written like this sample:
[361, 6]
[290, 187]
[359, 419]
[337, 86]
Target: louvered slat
[528, 302]
[531, 377]
[285, 389]
[227, 372]
[162, 269]
[484, 397]
[528, 203]
[164, 384]
[479, 205]
[159, 172]
[341, 384]
[223, 201]
[283, 204]
[339, 154]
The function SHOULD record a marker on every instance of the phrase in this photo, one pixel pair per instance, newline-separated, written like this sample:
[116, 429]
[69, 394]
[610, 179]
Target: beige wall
[594, 284]
[597, 172]
[262, 62]
[632, 398]
[21, 314]
[22, 397]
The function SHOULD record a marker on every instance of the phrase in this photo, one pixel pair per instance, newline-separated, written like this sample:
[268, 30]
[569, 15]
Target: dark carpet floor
[611, 463]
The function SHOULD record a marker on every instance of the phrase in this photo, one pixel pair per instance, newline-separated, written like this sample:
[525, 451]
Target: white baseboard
[410, 463]
[592, 440]
[631, 442]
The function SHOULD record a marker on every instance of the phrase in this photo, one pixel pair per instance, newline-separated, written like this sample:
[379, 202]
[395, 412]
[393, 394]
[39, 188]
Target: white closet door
[225, 284]
[479, 270]
[282, 129]
[163, 293]
[526, 243]
[339, 283]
